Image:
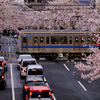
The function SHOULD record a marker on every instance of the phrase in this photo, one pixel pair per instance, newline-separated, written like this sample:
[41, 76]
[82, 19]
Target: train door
[24, 43]
[82, 43]
[39, 43]
[76, 43]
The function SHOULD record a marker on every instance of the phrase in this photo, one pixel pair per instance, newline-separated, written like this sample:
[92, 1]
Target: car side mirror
[6, 59]
[51, 91]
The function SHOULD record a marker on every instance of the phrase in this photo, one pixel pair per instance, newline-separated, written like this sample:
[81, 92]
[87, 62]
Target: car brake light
[2, 77]
[21, 65]
[30, 94]
[51, 98]
[40, 90]
[28, 61]
[49, 93]
[2, 63]
[34, 80]
[25, 87]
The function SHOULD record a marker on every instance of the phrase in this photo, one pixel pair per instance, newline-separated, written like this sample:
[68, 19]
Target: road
[59, 76]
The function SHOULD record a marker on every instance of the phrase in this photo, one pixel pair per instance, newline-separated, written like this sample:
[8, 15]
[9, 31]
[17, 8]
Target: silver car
[24, 56]
[24, 64]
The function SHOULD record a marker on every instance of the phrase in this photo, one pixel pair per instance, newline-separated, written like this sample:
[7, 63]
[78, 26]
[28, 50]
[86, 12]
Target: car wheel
[4, 85]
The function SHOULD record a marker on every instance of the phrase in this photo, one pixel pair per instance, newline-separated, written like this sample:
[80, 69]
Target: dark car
[2, 78]
[3, 63]
[36, 81]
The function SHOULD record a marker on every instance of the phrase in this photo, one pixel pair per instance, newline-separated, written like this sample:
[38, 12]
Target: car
[35, 71]
[39, 93]
[24, 64]
[36, 81]
[3, 63]
[23, 56]
[2, 78]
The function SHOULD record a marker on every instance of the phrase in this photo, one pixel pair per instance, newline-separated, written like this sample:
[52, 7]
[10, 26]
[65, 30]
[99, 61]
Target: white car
[24, 64]
[24, 56]
[34, 71]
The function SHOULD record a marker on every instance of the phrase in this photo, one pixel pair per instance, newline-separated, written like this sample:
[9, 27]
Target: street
[65, 84]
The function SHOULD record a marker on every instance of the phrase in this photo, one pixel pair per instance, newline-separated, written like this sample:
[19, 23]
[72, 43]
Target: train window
[24, 39]
[58, 40]
[82, 39]
[94, 39]
[70, 40]
[76, 39]
[47, 40]
[36, 40]
[41, 39]
[39, 1]
[88, 40]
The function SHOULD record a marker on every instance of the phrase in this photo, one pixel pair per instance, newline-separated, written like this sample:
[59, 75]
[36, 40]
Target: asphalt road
[59, 76]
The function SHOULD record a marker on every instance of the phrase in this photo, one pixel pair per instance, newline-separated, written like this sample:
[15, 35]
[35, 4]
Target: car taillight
[30, 94]
[2, 77]
[49, 93]
[51, 98]
[21, 65]
[25, 87]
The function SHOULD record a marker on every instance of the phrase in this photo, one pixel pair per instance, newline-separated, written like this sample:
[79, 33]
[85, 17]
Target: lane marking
[12, 83]
[9, 49]
[82, 86]
[66, 67]
[54, 98]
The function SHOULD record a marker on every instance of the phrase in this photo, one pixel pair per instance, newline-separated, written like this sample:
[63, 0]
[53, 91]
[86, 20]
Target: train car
[48, 43]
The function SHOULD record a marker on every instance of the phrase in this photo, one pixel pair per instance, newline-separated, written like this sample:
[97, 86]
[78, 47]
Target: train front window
[76, 39]
[82, 39]
[41, 39]
[35, 40]
[24, 40]
[70, 40]
[88, 40]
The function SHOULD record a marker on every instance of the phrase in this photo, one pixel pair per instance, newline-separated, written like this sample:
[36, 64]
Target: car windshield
[24, 57]
[31, 83]
[35, 72]
[43, 94]
[25, 63]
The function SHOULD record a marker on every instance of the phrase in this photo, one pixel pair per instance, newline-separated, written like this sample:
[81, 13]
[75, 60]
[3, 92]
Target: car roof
[1, 57]
[25, 55]
[37, 88]
[34, 78]
[29, 59]
[34, 66]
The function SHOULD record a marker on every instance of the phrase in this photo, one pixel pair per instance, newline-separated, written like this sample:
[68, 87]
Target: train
[50, 43]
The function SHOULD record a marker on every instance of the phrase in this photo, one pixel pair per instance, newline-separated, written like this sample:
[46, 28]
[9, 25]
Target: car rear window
[25, 63]
[24, 57]
[31, 83]
[43, 94]
[35, 72]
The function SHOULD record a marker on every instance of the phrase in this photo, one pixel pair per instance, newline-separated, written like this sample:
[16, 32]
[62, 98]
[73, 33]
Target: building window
[39, 1]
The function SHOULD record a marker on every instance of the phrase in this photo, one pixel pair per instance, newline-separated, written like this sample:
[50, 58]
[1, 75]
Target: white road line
[66, 67]
[12, 83]
[54, 98]
[82, 86]
[9, 49]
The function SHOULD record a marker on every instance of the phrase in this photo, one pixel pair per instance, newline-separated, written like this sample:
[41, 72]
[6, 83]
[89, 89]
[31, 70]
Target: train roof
[24, 31]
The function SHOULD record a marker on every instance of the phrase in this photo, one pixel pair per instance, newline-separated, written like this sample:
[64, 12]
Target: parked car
[23, 56]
